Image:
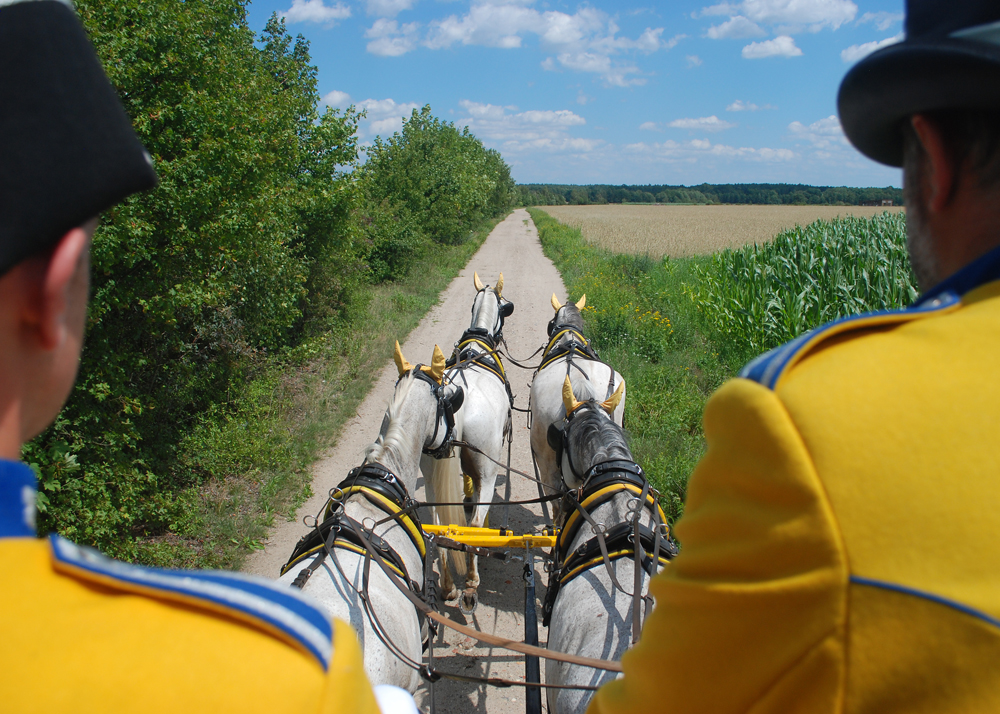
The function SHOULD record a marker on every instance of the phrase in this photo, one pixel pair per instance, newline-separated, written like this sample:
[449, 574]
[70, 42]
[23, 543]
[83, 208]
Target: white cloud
[783, 46]
[390, 39]
[316, 11]
[387, 8]
[649, 126]
[338, 99]
[736, 27]
[383, 116]
[882, 20]
[855, 52]
[529, 131]
[585, 41]
[712, 123]
[693, 61]
[790, 15]
[697, 149]
[823, 134]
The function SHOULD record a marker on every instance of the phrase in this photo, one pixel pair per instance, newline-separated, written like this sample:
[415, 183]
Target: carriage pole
[532, 695]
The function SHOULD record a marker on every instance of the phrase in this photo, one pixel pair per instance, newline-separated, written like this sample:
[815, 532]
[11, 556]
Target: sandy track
[529, 281]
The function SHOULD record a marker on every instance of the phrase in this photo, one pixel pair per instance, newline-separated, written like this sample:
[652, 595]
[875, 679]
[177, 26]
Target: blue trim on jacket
[982, 270]
[17, 500]
[278, 606]
[954, 604]
[767, 368]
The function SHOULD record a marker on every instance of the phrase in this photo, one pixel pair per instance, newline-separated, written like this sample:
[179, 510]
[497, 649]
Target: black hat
[950, 59]
[67, 149]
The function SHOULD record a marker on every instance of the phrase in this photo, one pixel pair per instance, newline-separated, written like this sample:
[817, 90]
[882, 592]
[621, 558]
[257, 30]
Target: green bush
[259, 239]
[446, 181]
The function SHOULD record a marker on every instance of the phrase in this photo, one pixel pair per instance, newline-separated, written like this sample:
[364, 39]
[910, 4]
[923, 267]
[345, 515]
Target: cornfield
[678, 231]
[761, 296]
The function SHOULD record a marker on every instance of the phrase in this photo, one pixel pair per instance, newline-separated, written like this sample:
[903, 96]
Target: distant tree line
[740, 193]
[264, 231]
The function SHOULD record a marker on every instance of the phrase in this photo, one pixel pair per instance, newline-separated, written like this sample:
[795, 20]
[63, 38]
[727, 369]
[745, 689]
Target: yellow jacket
[841, 538]
[82, 633]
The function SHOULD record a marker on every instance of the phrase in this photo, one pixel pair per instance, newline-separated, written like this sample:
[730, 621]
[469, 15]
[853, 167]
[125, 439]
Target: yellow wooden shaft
[491, 537]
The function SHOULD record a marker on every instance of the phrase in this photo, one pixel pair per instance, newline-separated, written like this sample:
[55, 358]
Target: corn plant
[762, 295]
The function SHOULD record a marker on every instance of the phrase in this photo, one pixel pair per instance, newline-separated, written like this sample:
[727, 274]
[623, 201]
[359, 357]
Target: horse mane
[569, 315]
[597, 431]
[488, 313]
[393, 438]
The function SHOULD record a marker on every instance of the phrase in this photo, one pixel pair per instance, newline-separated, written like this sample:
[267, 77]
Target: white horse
[567, 353]
[477, 368]
[415, 421]
[591, 615]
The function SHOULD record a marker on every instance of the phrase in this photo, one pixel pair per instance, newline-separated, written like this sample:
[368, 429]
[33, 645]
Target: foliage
[761, 296]
[642, 322]
[444, 179]
[754, 193]
[256, 243]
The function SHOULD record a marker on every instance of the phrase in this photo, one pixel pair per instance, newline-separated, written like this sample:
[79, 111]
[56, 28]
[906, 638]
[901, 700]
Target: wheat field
[679, 231]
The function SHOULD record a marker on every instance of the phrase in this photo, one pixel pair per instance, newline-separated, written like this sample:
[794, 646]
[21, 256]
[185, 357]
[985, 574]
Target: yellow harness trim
[343, 545]
[575, 515]
[491, 352]
[552, 342]
[600, 559]
[392, 509]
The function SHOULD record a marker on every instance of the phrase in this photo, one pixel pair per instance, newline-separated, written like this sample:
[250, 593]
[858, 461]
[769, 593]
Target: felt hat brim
[888, 86]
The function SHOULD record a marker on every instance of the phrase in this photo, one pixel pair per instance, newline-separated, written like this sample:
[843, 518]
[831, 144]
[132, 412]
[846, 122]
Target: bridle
[446, 408]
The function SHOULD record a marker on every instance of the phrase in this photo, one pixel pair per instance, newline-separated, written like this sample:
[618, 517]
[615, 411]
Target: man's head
[951, 174]
[67, 153]
[931, 104]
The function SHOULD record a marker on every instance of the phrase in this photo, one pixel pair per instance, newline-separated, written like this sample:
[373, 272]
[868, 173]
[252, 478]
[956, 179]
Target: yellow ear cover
[476, 281]
[555, 303]
[437, 365]
[499, 288]
[583, 302]
[612, 402]
[569, 400]
[401, 364]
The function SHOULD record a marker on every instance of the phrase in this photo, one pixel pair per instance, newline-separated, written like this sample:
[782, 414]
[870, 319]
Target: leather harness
[600, 484]
[383, 489]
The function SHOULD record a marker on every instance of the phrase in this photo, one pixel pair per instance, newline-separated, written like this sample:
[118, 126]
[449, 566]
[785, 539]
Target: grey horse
[591, 616]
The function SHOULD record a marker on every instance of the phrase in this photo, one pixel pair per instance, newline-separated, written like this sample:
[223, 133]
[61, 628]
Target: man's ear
[53, 280]
[940, 174]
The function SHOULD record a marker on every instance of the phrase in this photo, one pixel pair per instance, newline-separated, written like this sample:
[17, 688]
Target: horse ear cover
[476, 281]
[499, 288]
[612, 402]
[436, 370]
[569, 400]
[401, 364]
[582, 302]
[555, 303]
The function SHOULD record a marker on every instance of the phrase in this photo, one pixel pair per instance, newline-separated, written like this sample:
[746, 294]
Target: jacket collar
[17, 500]
[982, 270]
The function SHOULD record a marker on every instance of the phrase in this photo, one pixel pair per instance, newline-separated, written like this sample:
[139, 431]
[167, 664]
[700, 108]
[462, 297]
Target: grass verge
[642, 320]
[265, 439]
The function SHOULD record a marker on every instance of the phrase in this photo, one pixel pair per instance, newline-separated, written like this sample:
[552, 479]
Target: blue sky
[610, 92]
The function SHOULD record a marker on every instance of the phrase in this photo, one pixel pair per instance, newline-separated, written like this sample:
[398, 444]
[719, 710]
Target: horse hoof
[470, 600]
[452, 596]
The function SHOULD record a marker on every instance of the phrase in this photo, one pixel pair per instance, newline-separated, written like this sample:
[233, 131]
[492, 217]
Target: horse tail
[446, 482]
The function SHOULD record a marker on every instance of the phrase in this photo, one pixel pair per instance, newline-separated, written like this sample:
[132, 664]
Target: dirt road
[529, 281]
